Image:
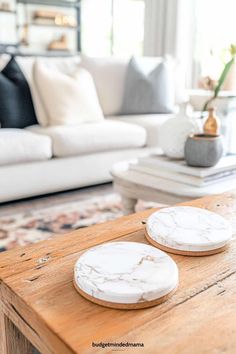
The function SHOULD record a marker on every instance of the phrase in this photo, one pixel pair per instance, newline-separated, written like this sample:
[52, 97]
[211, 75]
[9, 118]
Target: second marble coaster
[125, 275]
[188, 231]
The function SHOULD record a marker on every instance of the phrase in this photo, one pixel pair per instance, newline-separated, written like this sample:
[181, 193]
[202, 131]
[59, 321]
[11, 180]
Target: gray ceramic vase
[203, 150]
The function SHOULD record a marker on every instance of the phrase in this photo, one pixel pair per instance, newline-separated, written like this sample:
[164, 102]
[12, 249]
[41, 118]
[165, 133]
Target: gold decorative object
[59, 44]
[57, 18]
[65, 20]
[212, 124]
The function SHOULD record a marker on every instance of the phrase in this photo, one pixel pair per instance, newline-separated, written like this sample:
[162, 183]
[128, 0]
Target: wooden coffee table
[133, 185]
[40, 305]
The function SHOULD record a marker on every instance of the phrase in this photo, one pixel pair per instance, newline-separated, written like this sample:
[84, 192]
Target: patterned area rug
[25, 228]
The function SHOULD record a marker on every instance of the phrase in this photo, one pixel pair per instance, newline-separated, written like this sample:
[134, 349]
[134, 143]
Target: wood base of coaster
[184, 253]
[119, 306]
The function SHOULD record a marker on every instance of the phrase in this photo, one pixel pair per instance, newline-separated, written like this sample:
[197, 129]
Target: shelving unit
[66, 4]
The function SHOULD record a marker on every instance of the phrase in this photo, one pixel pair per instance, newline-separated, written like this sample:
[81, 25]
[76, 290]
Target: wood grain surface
[38, 296]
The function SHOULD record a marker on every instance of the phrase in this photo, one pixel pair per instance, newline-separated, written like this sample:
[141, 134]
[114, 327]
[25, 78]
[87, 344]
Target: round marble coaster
[188, 231]
[125, 275]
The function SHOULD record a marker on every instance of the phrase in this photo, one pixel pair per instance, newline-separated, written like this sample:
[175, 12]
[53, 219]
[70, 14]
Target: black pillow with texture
[16, 105]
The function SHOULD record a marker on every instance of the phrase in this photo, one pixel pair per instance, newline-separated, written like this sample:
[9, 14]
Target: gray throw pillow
[148, 93]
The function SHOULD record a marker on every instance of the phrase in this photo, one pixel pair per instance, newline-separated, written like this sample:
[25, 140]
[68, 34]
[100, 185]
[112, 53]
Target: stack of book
[162, 167]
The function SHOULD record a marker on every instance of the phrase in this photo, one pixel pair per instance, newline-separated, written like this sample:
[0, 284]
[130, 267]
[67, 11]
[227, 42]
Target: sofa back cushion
[148, 93]
[109, 77]
[68, 99]
[16, 105]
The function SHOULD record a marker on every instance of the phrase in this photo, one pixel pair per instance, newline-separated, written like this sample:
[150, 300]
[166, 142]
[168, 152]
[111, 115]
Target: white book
[180, 177]
[227, 163]
[181, 189]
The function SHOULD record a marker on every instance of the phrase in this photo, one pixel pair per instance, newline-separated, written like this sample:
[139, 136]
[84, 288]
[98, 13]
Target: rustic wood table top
[39, 303]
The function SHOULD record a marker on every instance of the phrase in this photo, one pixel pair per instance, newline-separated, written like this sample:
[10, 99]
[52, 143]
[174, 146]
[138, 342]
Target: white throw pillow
[67, 99]
[66, 65]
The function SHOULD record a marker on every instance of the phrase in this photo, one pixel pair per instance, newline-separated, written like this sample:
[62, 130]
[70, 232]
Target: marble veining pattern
[126, 272]
[189, 229]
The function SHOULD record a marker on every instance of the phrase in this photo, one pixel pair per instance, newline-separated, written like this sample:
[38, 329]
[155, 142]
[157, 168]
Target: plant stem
[220, 83]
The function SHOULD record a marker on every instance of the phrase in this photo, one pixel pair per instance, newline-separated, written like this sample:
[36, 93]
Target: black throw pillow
[16, 105]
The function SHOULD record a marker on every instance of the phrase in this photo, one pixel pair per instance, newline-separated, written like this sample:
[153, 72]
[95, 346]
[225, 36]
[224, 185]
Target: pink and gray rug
[32, 226]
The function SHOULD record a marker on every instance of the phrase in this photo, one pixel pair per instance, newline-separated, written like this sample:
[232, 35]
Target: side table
[133, 185]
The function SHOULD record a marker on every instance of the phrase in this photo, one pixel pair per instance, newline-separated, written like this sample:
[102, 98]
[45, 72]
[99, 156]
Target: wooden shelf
[32, 24]
[8, 11]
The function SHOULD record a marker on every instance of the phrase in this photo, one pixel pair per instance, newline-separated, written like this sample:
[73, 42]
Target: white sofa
[40, 160]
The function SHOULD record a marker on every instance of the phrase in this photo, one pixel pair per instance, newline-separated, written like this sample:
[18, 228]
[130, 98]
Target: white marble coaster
[127, 273]
[188, 229]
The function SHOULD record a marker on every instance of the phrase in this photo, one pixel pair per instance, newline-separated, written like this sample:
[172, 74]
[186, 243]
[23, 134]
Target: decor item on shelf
[65, 20]
[212, 124]
[125, 275]
[60, 44]
[229, 68]
[174, 133]
[5, 6]
[56, 18]
[203, 150]
[45, 15]
[188, 231]
[25, 36]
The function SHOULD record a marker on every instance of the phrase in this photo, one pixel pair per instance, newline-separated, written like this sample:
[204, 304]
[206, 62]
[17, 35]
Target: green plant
[227, 67]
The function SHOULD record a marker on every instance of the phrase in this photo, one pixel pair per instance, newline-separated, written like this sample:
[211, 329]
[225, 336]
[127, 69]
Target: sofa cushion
[93, 137]
[68, 99]
[148, 93]
[20, 146]
[109, 77]
[16, 105]
[64, 64]
[151, 123]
